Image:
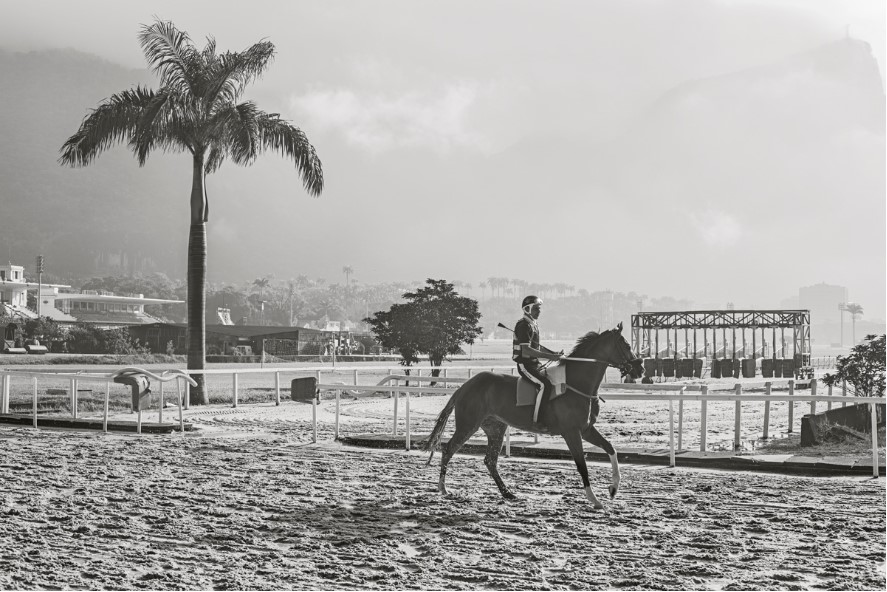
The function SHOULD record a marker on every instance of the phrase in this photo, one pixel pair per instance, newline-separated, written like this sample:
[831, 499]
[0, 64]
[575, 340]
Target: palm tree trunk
[197, 284]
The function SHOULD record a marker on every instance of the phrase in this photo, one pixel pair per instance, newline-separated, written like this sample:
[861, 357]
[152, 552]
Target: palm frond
[113, 121]
[235, 70]
[291, 142]
[170, 54]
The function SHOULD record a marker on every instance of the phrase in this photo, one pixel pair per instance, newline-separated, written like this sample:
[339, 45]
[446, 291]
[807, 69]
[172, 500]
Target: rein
[623, 369]
[586, 395]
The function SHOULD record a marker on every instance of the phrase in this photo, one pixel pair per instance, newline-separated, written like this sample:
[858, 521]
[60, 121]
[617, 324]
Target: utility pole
[39, 283]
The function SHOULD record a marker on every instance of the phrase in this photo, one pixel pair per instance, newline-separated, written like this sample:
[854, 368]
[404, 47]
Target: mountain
[109, 216]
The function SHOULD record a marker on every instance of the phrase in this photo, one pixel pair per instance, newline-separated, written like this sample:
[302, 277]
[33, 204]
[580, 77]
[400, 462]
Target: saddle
[526, 390]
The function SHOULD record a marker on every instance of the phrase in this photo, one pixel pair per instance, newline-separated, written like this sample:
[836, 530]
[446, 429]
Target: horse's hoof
[613, 490]
[598, 506]
[508, 495]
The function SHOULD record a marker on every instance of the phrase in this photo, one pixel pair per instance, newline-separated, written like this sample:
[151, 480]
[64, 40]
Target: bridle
[623, 367]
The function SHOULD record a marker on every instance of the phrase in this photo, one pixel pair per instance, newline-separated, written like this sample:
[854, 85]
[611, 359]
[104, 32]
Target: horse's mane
[584, 343]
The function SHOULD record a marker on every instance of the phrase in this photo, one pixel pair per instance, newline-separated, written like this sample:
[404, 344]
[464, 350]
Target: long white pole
[874, 412]
[160, 413]
[336, 428]
[703, 420]
[4, 393]
[35, 402]
[791, 406]
[768, 387]
[277, 388]
[737, 418]
[813, 385]
[314, 418]
[107, 397]
[680, 423]
[181, 417]
[671, 432]
[394, 427]
[407, 418]
[235, 390]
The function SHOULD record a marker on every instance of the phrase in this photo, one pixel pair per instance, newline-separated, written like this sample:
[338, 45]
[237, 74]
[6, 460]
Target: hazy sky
[439, 126]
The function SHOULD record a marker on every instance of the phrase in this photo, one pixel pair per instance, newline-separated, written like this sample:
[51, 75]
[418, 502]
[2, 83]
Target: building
[823, 300]
[235, 339]
[98, 307]
[14, 295]
[101, 307]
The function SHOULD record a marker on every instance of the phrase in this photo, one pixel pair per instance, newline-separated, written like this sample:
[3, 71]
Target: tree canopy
[435, 320]
[863, 368]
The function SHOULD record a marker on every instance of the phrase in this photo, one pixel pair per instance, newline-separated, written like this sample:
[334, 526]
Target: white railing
[75, 378]
[611, 390]
[652, 392]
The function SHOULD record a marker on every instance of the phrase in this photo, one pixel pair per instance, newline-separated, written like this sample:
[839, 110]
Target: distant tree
[195, 110]
[855, 311]
[435, 321]
[44, 329]
[863, 368]
[347, 270]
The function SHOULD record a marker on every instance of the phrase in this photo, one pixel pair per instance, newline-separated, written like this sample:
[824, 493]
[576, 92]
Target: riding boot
[542, 402]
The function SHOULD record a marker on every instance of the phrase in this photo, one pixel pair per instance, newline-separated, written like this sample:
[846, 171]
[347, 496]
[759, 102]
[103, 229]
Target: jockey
[527, 351]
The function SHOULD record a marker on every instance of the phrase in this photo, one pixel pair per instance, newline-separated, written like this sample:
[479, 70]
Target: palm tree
[196, 110]
[261, 284]
[347, 270]
[855, 311]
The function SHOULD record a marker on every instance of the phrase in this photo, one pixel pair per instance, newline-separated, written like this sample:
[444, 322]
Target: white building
[99, 307]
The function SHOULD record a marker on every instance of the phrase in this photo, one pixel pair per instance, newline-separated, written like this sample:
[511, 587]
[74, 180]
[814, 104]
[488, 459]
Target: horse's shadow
[365, 521]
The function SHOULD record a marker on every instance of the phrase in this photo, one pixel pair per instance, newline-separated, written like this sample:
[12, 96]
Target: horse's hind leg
[495, 431]
[593, 436]
[458, 439]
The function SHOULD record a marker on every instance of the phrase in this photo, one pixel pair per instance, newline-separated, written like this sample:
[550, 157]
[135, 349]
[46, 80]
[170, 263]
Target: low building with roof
[234, 339]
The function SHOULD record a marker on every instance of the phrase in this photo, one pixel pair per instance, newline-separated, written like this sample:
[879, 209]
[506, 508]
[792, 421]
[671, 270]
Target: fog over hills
[688, 185]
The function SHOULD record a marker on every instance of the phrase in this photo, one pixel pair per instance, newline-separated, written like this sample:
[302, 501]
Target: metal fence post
[235, 390]
[396, 397]
[791, 406]
[737, 419]
[35, 402]
[873, 410]
[671, 432]
[813, 392]
[768, 389]
[681, 420]
[107, 398]
[407, 417]
[336, 429]
[703, 419]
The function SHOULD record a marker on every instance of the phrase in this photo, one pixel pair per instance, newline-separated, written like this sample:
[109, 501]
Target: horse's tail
[433, 440]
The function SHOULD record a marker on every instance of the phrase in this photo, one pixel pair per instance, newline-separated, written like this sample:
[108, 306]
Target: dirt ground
[247, 501]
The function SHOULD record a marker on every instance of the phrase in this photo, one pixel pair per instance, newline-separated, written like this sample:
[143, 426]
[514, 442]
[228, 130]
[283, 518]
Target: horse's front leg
[591, 435]
[574, 443]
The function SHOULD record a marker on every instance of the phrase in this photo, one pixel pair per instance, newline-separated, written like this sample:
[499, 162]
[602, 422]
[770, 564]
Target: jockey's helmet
[529, 301]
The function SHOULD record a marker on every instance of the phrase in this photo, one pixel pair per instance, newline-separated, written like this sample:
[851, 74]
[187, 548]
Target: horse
[488, 401]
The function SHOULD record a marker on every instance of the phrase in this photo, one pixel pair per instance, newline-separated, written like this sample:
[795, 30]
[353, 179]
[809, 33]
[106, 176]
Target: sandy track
[252, 507]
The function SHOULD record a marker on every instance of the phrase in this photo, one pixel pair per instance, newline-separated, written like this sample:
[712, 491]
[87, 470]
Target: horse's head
[611, 347]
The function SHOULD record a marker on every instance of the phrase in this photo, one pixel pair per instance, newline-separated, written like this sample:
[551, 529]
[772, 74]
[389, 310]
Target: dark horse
[488, 401]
